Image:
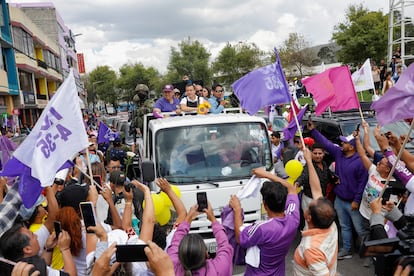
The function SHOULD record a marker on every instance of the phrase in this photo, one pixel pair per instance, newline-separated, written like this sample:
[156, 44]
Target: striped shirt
[317, 252]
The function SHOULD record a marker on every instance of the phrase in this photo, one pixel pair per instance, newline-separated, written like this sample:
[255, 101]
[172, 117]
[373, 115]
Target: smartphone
[88, 214]
[58, 228]
[386, 195]
[357, 128]
[202, 201]
[6, 266]
[98, 180]
[131, 253]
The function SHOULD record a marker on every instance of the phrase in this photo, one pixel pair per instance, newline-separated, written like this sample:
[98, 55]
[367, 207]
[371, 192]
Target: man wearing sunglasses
[217, 101]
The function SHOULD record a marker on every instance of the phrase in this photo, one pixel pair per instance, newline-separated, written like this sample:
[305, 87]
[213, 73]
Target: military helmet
[141, 87]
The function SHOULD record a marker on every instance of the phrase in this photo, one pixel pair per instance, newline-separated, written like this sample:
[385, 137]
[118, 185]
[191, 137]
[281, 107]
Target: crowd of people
[335, 200]
[29, 237]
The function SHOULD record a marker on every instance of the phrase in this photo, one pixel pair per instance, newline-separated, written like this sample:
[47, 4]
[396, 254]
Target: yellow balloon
[292, 182]
[164, 216]
[158, 202]
[293, 169]
[176, 190]
[167, 200]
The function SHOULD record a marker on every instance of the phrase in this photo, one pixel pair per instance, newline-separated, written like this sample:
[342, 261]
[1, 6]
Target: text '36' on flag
[105, 134]
[332, 88]
[397, 103]
[57, 136]
[261, 87]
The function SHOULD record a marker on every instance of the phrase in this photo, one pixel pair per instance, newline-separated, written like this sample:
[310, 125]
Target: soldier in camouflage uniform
[143, 106]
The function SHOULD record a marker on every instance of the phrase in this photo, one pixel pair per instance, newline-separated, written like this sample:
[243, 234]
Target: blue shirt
[215, 105]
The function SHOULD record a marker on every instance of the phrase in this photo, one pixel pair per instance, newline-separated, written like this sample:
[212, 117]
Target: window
[25, 81]
[195, 154]
[23, 41]
[1, 17]
[2, 60]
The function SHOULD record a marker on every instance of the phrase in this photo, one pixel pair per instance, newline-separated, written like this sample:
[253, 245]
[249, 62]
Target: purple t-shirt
[274, 238]
[166, 106]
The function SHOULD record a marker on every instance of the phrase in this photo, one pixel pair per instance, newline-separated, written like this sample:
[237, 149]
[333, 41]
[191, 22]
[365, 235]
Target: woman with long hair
[189, 253]
[71, 222]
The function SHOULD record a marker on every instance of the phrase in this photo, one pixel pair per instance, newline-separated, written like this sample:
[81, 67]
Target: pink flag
[332, 88]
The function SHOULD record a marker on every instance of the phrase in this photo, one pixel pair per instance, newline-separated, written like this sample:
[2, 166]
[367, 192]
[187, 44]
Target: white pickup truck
[212, 153]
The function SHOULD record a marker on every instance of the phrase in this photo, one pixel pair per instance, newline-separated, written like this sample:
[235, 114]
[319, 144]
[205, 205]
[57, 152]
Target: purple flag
[105, 134]
[261, 87]
[397, 103]
[30, 187]
[7, 148]
[290, 131]
[57, 136]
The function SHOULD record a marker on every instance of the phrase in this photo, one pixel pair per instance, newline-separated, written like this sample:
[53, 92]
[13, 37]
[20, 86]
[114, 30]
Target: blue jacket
[215, 105]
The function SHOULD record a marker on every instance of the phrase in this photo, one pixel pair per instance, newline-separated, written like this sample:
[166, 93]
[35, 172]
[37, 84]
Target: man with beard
[352, 179]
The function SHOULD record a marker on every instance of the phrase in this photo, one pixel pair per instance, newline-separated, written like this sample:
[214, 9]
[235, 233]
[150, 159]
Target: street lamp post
[93, 94]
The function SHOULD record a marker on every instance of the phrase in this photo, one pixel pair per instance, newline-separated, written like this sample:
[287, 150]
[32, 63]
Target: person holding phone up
[377, 174]
[269, 241]
[188, 252]
[348, 192]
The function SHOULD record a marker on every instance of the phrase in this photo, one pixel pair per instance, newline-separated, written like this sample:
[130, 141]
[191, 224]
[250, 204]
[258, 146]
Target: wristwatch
[387, 149]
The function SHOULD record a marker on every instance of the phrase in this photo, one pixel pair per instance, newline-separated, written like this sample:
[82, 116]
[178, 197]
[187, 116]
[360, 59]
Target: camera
[388, 251]
[128, 187]
[388, 134]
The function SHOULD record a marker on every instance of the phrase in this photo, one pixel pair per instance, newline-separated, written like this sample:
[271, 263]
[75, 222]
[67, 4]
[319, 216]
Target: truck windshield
[216, 152]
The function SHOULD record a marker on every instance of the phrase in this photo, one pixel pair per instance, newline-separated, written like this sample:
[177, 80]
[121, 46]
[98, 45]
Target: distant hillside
[325, 53]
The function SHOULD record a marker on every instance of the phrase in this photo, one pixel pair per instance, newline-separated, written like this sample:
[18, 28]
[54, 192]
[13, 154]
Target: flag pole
[297, 123]
[89, 177]
[360, 113]
[398, 158]
[89, 166]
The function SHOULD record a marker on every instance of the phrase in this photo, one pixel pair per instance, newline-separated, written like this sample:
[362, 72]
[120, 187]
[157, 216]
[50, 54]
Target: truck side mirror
[148, 171]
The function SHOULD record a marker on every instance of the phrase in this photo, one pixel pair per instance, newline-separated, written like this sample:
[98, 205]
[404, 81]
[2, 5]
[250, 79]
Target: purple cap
[168, 87]
[350, 139]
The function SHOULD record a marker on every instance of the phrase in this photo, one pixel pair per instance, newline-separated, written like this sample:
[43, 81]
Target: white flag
[363, 77]
[57, 136]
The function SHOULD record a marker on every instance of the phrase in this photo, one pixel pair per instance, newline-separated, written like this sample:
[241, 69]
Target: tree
[132, 74]
[326, 54]
[101, 85]
[235, 61]
[295, 52]
[363, 35]
[192, 59]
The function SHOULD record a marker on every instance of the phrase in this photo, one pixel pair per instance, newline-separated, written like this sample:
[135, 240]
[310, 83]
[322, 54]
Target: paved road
[349, 267]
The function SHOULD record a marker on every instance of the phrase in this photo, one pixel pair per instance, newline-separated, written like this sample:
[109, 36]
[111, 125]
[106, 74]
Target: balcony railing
[41, 97]
[41, 64]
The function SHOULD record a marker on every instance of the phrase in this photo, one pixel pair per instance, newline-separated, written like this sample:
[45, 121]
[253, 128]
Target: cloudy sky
[130, 31]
